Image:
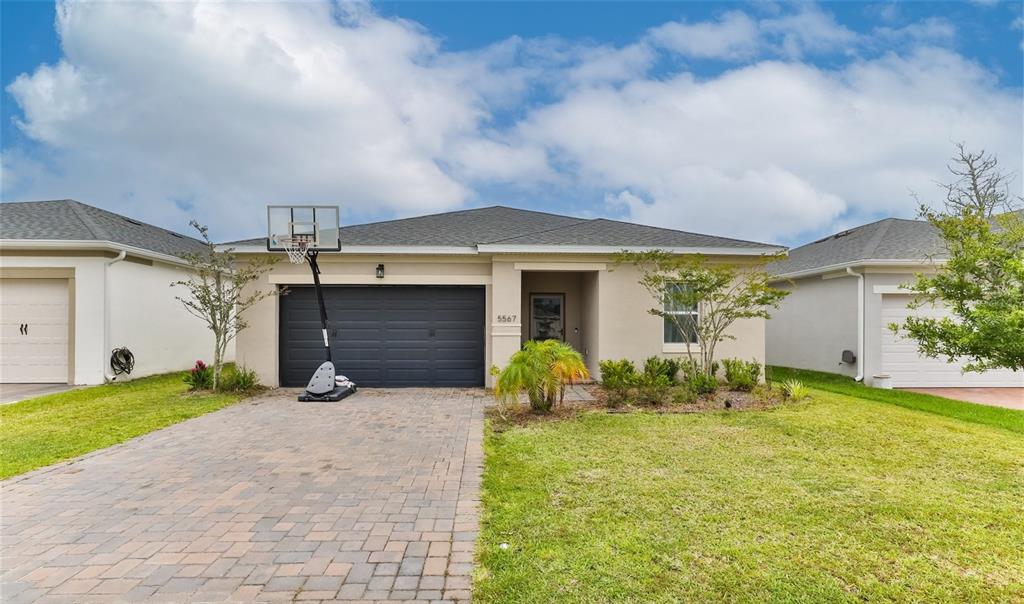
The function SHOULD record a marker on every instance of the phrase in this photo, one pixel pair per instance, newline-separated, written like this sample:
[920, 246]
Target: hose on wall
[122, 360]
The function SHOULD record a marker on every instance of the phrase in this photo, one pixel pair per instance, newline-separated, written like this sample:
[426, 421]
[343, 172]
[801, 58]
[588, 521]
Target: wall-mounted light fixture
[380, 271]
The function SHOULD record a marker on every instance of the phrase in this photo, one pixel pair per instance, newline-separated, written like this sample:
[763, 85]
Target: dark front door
[385, 335]
[547, 316]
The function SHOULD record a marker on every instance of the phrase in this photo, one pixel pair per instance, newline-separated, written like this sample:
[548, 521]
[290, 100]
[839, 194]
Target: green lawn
[836, 499]
[44, 430]
[969, 412]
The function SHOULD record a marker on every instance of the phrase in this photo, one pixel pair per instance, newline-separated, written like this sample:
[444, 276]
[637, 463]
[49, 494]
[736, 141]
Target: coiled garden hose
[122, 360]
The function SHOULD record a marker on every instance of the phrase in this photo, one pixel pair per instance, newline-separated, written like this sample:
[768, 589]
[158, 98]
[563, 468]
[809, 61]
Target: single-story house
[846, 290]
[437, 300]
[77, 282]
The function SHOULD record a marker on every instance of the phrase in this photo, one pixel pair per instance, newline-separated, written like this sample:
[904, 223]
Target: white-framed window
[685, 315]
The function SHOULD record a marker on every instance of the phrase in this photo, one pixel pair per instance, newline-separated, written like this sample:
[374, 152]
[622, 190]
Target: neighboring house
[77, 281]
[462, 291]
[845, 293]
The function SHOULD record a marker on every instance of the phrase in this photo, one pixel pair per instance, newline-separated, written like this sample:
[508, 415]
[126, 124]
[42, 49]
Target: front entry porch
[549, 301]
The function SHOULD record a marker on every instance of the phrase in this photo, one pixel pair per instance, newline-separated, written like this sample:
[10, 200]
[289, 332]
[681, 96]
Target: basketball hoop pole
[313, 266]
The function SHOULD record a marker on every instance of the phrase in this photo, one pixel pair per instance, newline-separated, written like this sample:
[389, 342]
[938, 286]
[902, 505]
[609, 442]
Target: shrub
[795, 390]
[199, 377]
[681, 395]
[696, 379]
[741, 375]
[617, 378]
[652, 388]
[239, 379]
[660, 366]
[541, 369]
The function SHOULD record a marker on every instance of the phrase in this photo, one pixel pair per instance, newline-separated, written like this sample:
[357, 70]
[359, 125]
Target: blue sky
[778, 122]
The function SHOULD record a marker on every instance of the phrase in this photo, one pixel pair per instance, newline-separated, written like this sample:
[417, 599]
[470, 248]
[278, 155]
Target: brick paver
[371, 498]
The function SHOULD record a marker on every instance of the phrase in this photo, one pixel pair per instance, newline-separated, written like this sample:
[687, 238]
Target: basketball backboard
[316, 224]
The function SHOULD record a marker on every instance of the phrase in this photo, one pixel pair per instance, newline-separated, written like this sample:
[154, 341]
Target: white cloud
[808, 31]
[774, 149]
[733, 36]
[234, 105]
[736, 36]
[172, 110]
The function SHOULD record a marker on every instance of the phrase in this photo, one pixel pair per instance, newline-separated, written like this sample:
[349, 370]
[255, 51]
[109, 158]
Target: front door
[547, 316]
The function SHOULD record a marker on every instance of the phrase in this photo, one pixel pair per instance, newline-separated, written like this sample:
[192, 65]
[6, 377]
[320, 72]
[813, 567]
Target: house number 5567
[506, 318]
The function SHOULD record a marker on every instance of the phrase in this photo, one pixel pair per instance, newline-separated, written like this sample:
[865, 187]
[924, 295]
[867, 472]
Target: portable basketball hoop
[296, 247]
[303, 232]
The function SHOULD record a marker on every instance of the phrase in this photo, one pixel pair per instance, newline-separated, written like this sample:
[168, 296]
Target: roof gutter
[489, 248]
[860, 323]
[910, 262]
[614, 249]
[88, 244]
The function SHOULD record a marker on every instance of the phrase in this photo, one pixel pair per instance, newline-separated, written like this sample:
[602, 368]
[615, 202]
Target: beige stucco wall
[814, 324]
[603, 302]
[627, 330]
[589, 320]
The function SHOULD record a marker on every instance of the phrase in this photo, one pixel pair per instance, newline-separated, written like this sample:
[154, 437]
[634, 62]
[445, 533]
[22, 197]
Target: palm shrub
[617, 379]
[795, 390]
[741, 375]
[542, 369]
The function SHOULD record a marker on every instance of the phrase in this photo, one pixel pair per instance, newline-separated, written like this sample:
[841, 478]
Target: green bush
[661, 366]
[682, 395]
[696, 379]
[200, 377]
[652, 388]
[541, 369]
[239, 379]
[617, 379]
[741, 375]
[795, 390]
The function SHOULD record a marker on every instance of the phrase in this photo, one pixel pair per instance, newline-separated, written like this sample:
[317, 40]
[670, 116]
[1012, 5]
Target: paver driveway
[372, 498]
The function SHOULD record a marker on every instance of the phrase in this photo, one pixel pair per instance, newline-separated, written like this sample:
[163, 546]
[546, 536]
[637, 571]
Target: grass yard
[835, 499]
[44, 430]
[968, 412]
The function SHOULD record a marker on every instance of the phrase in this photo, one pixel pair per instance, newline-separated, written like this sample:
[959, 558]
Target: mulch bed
[503, 418]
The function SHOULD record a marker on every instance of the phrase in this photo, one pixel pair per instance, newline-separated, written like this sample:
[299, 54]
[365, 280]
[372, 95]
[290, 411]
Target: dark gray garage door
[386, 335]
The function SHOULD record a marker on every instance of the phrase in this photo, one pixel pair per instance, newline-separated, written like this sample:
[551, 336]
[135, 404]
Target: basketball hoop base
[333, 396]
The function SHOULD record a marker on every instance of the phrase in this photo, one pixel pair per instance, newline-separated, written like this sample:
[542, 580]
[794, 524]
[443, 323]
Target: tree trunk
[218, 359]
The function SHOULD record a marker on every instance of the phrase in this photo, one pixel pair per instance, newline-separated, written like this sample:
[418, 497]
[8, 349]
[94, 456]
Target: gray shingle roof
[511, 226]
[70, 220]
[888, 239]
[604, 232]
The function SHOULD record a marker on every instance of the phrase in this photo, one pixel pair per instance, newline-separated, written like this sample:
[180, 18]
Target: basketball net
[295, 247]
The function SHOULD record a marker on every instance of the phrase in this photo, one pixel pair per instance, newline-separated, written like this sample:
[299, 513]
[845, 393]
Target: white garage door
[908, 369]
[33, 330]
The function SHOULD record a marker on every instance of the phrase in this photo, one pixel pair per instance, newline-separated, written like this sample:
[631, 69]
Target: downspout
[860, 323]
[107, 374]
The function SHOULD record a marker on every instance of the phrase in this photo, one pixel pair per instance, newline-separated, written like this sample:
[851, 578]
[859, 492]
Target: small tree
[217, 292]
[982, 278]
[542, 369]
[721, 293]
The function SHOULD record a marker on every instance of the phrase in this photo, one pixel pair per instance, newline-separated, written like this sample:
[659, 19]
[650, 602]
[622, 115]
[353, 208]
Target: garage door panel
[34, 334]
[387, 335]
[908, 369]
